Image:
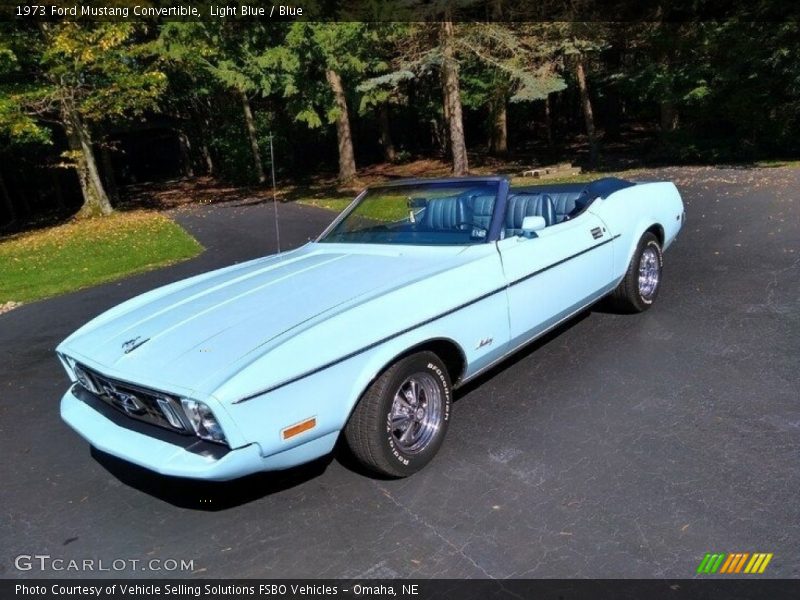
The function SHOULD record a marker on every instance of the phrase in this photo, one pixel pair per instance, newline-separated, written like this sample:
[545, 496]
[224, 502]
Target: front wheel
[401, 420]
[638, 289]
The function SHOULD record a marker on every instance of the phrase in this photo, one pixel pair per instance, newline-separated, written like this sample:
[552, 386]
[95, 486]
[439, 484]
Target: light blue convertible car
[417, 287]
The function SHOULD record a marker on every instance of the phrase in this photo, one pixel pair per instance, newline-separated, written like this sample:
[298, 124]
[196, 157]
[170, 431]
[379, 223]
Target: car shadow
[214, 496]
[524, 352]
[345, 457]
[209, 496]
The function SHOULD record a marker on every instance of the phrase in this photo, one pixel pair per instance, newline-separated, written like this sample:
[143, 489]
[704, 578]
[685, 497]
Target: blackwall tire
[400, 422]
[639, 288]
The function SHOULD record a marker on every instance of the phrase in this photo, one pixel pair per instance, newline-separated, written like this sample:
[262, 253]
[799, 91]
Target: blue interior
[570, 199]
[462, 212]
[519, 206]
[467, 215]
[448, 213]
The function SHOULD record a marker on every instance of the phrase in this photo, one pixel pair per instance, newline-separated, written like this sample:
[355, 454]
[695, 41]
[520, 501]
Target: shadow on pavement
[523, 353]
[221, 495]
[209, 495]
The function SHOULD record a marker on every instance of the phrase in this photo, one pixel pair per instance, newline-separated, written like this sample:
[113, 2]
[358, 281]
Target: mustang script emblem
[133, 344]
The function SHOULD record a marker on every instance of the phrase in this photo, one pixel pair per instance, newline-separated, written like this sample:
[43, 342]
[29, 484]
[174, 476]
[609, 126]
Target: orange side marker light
[299, 428]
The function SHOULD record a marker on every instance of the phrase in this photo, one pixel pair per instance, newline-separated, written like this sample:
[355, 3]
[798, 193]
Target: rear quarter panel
[630, 212]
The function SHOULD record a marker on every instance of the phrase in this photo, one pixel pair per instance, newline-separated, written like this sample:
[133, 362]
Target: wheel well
[658, 231]
[451, 354]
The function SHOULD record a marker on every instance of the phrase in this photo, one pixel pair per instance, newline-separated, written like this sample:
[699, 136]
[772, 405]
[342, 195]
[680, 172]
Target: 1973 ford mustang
[417, 287]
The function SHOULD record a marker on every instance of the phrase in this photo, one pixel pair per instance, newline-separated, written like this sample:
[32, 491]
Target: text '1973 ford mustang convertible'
[417, 287]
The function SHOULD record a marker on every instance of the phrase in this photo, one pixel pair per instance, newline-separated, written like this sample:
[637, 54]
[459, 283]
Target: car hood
[184, 333]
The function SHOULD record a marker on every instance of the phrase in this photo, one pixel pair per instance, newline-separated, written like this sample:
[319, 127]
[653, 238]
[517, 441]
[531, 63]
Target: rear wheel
[638, 289]
[401, 420]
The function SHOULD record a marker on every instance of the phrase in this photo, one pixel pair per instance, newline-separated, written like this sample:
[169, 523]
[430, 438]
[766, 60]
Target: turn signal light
[302, 426]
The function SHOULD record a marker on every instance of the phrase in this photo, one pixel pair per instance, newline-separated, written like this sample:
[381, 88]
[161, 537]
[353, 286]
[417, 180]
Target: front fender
[330, 394]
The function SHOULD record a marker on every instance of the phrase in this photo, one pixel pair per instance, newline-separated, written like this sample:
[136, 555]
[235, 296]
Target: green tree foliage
[721, 90]
[575, 46]
[489, 64]
[241, 58]
[317, 60]
[377, 96]
[505, 63]
[77, 76]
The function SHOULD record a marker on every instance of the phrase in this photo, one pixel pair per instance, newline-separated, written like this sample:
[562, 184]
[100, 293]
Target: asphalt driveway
[621, 446]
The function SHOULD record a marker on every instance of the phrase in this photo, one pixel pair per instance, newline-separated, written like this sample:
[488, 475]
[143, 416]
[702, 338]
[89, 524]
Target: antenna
[274, 197]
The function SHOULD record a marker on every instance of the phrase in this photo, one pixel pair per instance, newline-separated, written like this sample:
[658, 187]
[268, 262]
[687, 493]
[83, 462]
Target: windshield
[428, 213]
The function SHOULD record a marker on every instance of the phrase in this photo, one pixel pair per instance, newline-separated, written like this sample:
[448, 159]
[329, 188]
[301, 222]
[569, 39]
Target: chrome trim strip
[418, 325]
[347, 210]
[562, 261]
[190, 443]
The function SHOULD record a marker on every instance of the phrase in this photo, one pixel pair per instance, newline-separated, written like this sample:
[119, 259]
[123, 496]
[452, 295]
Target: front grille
[136, 402]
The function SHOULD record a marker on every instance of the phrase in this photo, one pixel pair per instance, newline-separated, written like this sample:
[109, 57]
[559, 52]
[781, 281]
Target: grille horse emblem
[133, 344]
[127, 402]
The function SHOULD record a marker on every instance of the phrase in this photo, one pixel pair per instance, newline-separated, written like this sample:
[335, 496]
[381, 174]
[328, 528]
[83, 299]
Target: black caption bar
[481, 589]
[401, 10]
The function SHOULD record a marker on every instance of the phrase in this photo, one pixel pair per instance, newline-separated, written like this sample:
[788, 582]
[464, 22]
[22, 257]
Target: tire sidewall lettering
[445, 386]
[393, 450]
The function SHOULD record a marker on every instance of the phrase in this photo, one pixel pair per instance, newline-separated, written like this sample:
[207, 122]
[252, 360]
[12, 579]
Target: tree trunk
[548, 121]
[588, 115]
[108, 171]
[206, 154]
[95, 199]
[12, 213]
[347, 161]
[612, 125]
[186, 153]
[386, 135]
[668, 113]
[497, 10]
[669, 116]
[251, 134]
[452, 98]
[498, 142]
[205, 151]
[444, 132]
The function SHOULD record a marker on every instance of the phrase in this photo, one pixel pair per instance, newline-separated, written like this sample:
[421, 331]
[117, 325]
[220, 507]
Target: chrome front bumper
[191, 458]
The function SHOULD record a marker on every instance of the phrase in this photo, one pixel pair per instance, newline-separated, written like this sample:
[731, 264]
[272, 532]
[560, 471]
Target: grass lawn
[61, 259]
[331, 203]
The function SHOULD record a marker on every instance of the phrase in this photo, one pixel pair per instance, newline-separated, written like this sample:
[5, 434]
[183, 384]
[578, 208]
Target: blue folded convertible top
[603, 188]
[599, 188]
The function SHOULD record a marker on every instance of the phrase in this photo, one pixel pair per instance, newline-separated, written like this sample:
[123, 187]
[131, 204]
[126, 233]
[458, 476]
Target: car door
[554, 274]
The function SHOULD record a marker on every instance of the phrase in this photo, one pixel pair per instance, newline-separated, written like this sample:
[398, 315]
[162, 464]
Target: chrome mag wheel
[416, 413]
[649, 273]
